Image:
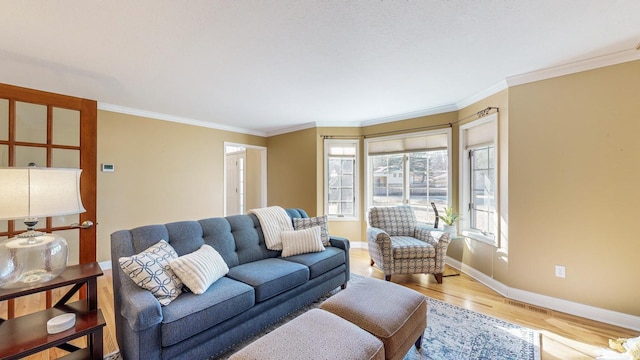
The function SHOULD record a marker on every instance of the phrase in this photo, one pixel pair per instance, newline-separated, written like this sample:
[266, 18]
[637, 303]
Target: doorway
[245, 178]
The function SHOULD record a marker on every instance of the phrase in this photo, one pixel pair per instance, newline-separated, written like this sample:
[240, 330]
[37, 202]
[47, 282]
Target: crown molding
[410, 115]
[575, 67]
[287, 130]
[502, 85]
[176, 119]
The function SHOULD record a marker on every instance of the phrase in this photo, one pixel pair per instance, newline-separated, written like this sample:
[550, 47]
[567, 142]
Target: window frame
[466, 228]
[368, 186]
[356, 178]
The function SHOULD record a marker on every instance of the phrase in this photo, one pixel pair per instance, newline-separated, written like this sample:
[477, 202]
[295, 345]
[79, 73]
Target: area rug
[452, 333]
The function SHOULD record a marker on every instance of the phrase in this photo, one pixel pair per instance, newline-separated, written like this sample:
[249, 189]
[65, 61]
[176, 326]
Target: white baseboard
[359, 245]
[590, 312]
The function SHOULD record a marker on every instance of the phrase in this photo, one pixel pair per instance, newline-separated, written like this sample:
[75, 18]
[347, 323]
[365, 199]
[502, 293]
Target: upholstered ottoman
[316, 334]
[394, 314]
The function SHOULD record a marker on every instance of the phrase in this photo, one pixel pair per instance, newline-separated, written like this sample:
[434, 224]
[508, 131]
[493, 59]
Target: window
[341, 178]
[479, 179]
[410, 170]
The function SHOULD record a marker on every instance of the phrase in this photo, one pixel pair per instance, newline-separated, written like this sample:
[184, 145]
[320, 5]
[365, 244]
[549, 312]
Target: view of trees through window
[415, 179]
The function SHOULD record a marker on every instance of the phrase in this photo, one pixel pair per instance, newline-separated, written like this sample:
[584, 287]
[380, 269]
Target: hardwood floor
[563, 336]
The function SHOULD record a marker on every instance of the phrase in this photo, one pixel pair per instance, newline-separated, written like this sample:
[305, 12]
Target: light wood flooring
[563, 336]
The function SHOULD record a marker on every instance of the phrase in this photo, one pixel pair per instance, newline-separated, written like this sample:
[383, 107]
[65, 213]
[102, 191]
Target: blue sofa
[201, 326]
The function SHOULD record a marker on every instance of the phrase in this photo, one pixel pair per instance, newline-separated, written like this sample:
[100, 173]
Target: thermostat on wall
[108, 168]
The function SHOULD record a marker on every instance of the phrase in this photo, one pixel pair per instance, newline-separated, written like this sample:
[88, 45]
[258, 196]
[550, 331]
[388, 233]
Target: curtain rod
[480, 114]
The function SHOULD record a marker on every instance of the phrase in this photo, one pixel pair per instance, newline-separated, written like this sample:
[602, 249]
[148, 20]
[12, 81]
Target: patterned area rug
[452, 333]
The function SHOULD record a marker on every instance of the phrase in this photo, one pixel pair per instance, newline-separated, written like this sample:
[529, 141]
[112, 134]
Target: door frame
[88, 155]
[263, 170]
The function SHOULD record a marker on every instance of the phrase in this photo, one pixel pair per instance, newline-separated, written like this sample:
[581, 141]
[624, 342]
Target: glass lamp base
[32, 260]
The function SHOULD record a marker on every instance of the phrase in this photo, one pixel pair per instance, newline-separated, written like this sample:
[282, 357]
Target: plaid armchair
[398, 245]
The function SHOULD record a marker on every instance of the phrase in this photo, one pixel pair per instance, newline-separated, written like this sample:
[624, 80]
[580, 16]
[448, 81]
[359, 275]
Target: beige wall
[253, 178]
[164, 172]
[292, 177]
[573, 185]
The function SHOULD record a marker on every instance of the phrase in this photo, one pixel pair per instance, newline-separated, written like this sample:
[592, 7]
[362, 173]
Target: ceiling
[265, 67]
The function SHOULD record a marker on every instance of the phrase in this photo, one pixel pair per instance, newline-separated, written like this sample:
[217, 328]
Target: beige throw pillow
[301, 241]
[150, 270]
[199, 269]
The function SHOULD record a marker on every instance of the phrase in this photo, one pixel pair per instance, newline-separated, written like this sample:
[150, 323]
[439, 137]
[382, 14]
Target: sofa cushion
[151, 271]
[320, 262]
[407, 247]
[301, 241]
[270, 277]
[199, 269]
[190, 314]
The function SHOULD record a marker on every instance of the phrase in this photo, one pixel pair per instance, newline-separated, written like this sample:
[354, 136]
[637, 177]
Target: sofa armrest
[380, 248]
[440, 241]
[137, 305]
[431, 235]
[344, 244]
[340, 242]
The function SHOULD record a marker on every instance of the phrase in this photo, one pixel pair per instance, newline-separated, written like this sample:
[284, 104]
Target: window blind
[408, 144]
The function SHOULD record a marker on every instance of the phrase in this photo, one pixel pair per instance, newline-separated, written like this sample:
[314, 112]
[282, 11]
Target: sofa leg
[387, 277]
[372, 262]
[419, 342]
[343, 286]
[438, 277]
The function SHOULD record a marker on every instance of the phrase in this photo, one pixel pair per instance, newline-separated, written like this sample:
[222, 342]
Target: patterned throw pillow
[306, 223]
[301, 241]
[199, 269]
[150, 270]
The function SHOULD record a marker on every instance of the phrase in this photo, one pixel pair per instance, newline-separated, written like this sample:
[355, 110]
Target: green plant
[449, 217]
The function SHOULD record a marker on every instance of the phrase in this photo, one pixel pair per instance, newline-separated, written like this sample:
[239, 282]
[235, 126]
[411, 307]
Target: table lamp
[29, 193]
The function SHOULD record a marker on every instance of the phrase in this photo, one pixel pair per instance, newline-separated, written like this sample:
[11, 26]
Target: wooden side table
[27, 335]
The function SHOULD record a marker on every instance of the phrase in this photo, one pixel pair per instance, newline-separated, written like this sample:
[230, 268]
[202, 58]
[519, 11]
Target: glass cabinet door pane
[29, 154]
[31, 122]
[62, 158]
[4, 119]
[4, 155]
[66, 127]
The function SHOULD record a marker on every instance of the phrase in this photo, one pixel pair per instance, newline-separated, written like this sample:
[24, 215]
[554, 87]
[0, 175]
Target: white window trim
[356, 175]
[367, 182]
[465, 179]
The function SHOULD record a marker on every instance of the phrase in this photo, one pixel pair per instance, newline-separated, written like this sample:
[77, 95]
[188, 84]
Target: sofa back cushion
[395, 220]
[237, 238]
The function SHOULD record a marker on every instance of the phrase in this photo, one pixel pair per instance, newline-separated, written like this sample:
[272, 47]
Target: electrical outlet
[560, 271]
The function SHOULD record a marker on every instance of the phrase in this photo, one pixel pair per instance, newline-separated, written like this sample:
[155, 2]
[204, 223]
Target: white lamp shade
[39, 192]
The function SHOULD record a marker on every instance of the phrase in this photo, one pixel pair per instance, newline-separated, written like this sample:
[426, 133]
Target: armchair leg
[372, 262]
[387, 277]
[419, 342]
[438, 277]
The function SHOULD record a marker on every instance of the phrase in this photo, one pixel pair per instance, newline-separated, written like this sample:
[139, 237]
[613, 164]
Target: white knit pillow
[199, 269]
[301, 241]
[150, 270]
